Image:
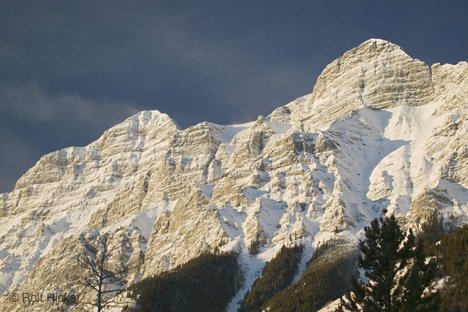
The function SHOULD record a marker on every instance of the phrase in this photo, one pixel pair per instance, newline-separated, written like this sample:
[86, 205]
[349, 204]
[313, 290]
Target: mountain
[381, 131]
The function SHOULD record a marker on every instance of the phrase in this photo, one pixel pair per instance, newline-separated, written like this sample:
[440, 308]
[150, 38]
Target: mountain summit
[380, 133]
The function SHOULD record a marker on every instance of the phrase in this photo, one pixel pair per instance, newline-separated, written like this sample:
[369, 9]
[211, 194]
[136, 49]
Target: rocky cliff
[381, 131]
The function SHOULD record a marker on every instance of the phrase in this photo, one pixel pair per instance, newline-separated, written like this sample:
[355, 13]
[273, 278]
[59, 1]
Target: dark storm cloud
[71, 69]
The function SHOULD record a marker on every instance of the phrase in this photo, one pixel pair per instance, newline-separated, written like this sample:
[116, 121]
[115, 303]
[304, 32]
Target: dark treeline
[204, 284]
[326, 278]
[276, 276]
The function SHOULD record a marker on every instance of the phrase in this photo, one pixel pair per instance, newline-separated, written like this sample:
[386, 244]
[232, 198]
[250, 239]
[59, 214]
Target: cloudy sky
[71, 69]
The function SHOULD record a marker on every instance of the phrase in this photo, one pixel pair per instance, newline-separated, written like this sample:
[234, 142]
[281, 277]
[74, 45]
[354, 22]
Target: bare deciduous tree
[104, 281]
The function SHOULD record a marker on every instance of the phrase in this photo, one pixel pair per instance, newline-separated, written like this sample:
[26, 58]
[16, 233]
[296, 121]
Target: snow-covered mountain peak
[376, 74]
[380, 131]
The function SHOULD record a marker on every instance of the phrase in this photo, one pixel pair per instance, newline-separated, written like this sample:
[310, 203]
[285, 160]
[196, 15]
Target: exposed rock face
[381, 130]
[377, 74]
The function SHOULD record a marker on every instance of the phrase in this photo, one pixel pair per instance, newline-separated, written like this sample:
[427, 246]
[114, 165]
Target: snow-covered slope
[380, 130]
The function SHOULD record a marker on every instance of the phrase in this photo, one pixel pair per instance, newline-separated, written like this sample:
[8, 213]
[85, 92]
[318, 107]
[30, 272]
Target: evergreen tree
[395, 271]
[432, 231]
[454, 256]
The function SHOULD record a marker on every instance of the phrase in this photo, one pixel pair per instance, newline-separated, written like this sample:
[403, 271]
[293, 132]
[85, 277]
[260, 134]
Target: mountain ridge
[381, 131]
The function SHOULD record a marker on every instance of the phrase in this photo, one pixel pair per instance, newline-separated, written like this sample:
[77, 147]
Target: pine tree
[395, 271]
[454, 256]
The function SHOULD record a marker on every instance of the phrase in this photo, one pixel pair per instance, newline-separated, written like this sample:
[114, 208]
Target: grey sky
[71, 69]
